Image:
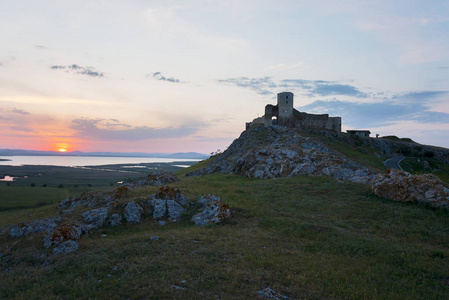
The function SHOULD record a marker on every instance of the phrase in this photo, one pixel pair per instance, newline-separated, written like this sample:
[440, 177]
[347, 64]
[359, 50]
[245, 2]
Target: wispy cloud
[40, 47]
[19, 111]
[76, 69]
[159, 76]
[21, 128]
[266, 86]
[111, 129]
[262, 86]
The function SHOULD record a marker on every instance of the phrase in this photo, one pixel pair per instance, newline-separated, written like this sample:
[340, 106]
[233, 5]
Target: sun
[61, 147]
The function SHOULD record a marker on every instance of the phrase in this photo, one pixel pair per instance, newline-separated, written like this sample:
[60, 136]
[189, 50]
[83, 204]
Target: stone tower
[285, 108]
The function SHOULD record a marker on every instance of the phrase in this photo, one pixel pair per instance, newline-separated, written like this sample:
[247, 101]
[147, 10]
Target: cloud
[158, 76]
[419, 96]
[266, 86]
[20, 128]
[262, 86]
[40, 47]
[19, 111]
[111, 129]
[89, 71]
[365, 115]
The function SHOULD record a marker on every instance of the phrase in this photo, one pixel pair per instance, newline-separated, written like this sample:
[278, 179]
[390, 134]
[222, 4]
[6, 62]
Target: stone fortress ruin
[284, 114]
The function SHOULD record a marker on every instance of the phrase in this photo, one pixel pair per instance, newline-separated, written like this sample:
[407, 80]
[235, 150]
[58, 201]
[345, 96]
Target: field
[305, 237]
[41, 185]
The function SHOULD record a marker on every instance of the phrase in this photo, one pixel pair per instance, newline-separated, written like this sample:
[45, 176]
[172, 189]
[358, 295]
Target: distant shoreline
[2, 159]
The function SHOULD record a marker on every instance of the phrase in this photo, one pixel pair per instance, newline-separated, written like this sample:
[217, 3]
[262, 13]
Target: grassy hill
[305, 237]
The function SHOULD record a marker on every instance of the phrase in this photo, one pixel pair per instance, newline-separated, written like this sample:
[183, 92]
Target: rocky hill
[276, 151]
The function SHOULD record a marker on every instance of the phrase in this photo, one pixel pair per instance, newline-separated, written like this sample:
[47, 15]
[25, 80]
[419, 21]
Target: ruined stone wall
[334, 124]
[312, 121]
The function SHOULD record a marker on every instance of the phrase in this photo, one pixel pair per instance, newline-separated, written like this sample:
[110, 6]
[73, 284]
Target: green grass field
[305, 237]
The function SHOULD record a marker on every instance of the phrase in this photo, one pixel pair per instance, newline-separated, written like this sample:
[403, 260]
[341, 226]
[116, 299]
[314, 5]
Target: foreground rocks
[214, 211]
[274, 151]
[110, 208]
[168, 202]
[402, 186]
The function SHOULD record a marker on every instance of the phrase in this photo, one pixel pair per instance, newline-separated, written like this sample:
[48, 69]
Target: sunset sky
[172, 76]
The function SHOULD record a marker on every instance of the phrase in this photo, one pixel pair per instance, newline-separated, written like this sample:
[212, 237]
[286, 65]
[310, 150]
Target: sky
[180, 76]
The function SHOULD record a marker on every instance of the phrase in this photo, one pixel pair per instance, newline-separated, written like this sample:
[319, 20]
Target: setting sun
[61, 147]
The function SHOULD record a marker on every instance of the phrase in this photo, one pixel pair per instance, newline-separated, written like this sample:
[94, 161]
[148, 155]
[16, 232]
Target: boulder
[64, 232]
[215, 211]
[402, 186]
[133, 213]
[95, 218]
[36, 226]
[168, 202]
[114, 220]
[66, 247]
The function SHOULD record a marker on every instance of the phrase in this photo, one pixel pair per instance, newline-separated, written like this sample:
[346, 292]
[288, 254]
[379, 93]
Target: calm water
[69, 161]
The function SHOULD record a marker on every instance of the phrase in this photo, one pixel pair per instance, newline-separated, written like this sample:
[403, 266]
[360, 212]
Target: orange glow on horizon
[61, 147]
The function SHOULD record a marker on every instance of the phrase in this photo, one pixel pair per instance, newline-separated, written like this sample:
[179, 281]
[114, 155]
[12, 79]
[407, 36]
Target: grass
[367, 156]
[426, 165]
[26, 197]
[306, 237]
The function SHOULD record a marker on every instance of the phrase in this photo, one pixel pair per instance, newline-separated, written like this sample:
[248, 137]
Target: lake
[71, 161]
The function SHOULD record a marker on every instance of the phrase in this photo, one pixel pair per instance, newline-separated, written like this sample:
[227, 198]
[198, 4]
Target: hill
[304, 237]
[276, 151]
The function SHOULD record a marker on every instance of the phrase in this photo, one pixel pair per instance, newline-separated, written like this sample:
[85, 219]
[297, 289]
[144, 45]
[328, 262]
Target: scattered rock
[177, 287]
[161, 223]
[168, 202]
[89, 199]
[65, 232]
[270, 294]
[160, 178]
[154, 238]
[215, 211]
[399, 185]
[170, 193]
[114, 220]
[133, 213]
[207, 198]
[95, 218]
[66, 247]
[46, 225]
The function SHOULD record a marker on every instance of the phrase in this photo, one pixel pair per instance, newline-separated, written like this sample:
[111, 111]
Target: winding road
[393, 163]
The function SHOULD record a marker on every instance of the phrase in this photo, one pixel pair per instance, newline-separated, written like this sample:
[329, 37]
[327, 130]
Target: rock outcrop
[95, 218]
[36, 226]
[214, 211]
[168, 202]
[275, 151]
[133, 212]
[64, 237]
[402, 186]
